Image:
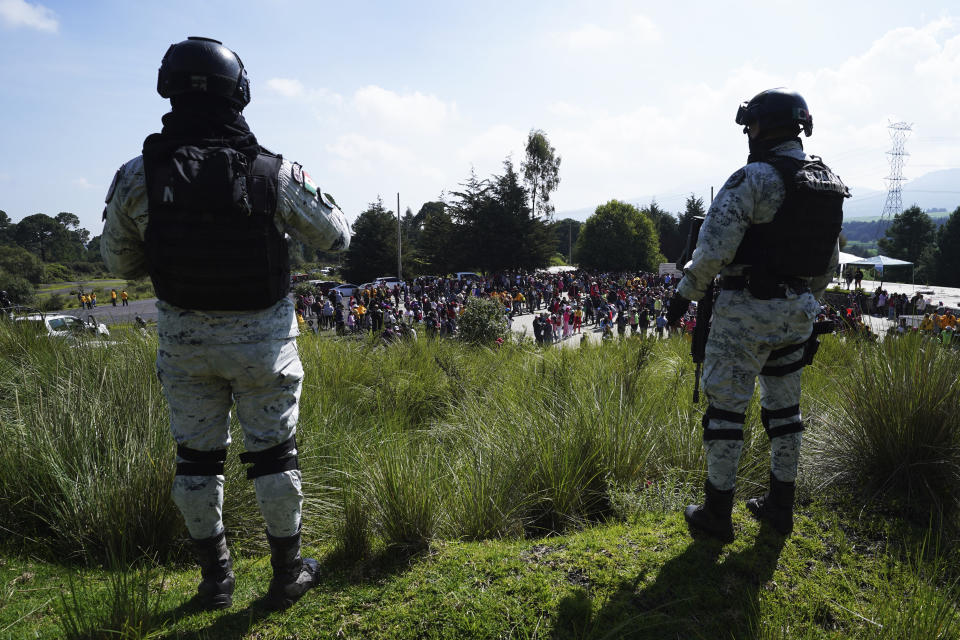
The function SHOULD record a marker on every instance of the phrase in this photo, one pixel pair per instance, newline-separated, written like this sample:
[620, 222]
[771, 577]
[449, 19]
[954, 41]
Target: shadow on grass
[692, 596]
[336, 573]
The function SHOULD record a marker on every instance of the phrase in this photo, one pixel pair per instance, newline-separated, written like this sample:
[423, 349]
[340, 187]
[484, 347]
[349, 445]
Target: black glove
[678, 307]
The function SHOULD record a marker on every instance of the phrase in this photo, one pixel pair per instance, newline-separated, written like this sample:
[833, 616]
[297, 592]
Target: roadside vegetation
[476, 491]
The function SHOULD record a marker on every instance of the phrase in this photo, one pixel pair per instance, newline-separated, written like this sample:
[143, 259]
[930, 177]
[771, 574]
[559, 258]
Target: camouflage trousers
[201, 384]
[744, 333]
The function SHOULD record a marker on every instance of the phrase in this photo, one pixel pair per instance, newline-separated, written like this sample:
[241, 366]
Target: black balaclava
[204, 121]
[760, 148]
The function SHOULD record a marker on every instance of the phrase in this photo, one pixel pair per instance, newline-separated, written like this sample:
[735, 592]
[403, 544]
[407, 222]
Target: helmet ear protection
[775, 109]
[203, 66]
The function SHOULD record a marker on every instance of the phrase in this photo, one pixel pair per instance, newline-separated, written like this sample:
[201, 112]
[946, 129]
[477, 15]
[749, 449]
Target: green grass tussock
[891, 427]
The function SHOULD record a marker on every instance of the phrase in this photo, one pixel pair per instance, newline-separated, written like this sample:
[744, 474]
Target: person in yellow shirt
[926, 324]
[361, 313]
[113, 297]
[123, 297]
[948, 320]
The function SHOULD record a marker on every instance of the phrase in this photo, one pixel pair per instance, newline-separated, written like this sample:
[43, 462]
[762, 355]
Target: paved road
[110, 315]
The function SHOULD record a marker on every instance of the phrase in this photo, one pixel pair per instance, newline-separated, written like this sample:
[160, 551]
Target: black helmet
[776, 109]
[203, 65]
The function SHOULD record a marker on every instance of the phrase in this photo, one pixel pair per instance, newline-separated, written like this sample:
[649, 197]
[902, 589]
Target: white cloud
[487, 150]
[642, 28]
[590, 36]
[565, 109]
[19, 13]
[359, 149]
[82, 183]
[287, 87]
[411, 111]
[638, 29]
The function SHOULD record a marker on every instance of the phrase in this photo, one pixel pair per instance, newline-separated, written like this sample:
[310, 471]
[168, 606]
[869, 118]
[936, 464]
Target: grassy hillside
[470, 492]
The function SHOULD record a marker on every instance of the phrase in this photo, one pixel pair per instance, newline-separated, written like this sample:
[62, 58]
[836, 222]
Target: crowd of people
[937, 321]
[89, 300]
[563, 304]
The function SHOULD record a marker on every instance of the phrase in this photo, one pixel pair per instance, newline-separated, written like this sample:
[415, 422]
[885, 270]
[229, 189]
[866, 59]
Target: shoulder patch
[296, 173]
[113, 187]
[329, 201]
[309, 184]
[735, 180]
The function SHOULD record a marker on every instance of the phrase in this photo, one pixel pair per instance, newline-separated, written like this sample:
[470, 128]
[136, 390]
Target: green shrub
[140, 289]
[55, 272]
[54, 302]
[482, 322]
[18, 288]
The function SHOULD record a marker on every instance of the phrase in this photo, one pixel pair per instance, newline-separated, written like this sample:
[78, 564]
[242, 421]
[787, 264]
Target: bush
[482, 322]
[55, 302]
[891, 432]
[56, 272]
[139, 289]
[303, 289]
[20, 262]
[18, 288]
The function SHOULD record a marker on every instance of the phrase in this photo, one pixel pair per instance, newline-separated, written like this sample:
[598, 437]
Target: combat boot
[775, 507]
[713, 516]
[292, 575]
[216, 571]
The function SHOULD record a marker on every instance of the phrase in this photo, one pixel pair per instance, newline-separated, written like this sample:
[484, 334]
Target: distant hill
[934, 190]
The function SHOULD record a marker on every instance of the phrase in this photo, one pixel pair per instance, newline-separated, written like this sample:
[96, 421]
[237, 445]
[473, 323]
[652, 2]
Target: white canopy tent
[881, 262]
[847, 258]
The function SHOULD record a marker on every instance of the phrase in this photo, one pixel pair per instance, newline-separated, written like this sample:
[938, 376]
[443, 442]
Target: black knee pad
[785, 429]
[276, 459]
[722, 434]
[200, 463]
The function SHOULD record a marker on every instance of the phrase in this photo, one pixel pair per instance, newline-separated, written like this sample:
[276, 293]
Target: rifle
[698, 345]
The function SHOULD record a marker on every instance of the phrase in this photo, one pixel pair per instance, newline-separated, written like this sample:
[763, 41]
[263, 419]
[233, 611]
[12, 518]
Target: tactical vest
[800, 240]
[211, 241]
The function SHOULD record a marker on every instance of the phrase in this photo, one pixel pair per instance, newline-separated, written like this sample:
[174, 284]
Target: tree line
[505, 222]
[933, 246]
[40, 248]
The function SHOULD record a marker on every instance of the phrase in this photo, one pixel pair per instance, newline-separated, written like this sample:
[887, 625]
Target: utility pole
[399, 270]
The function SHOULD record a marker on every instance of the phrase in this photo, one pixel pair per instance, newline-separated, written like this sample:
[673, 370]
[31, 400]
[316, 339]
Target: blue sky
[376, 98]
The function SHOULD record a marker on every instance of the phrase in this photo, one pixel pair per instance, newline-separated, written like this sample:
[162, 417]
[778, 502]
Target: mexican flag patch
[309, 184]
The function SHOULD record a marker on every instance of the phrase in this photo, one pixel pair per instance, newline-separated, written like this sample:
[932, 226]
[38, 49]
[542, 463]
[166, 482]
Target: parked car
[466, 275]
[388, 281]
[57, 325]
[346, 290]
[323, 285]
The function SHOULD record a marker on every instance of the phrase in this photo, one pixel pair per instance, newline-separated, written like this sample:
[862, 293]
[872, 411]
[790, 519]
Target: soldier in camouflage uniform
[771, 233]
[204, 211]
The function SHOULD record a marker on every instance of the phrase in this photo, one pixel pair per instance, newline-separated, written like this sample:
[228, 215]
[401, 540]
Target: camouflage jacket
[752, 195]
